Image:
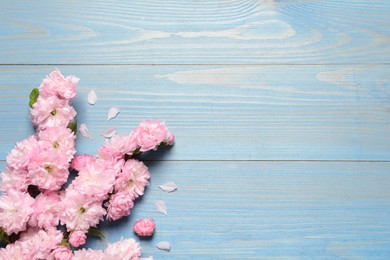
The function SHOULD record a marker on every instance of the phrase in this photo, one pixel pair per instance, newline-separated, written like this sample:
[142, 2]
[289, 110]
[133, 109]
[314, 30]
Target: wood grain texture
[263, 210]
[281, 111]
[230, 112]
[194, 32]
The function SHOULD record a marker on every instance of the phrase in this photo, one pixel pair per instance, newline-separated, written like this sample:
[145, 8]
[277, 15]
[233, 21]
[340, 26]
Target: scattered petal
[113, 112]
[168, 187]
[160, 206]
[110, 132]
[92, 98]
[164, 245]
[84, 131]
[147, 258]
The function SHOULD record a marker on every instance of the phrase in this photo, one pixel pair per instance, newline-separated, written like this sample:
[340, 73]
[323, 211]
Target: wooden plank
[194, 32]
[262, 210]
[229, 112]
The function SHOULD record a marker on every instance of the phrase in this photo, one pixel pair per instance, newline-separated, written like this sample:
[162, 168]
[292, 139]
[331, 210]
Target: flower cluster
[35, 204]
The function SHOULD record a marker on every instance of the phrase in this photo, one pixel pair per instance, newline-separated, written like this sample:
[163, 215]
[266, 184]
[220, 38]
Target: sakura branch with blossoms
[41, 217]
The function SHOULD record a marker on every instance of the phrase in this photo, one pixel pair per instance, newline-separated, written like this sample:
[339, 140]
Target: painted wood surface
[281, 111]
[195, 32]
[262, 210]
[229, 112]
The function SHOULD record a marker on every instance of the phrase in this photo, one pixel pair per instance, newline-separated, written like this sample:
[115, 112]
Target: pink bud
[77, 238]
[144, 227]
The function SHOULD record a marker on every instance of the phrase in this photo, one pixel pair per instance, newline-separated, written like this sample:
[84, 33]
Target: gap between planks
[199, 65]
[270, 161]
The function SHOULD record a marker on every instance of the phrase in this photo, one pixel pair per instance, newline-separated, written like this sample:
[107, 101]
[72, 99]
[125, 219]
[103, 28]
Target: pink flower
[57, 85]
[13, 180]
[149, 134]
[124, 249]
[144, 227]
[124, 144]
[133, 178]
[169, 138]
[77, 238]
[79, 212]
[81, 161]
[38, 243]
[13, 251]
[49, 170]
[89, 254]
[61, 253]
[52, 112]
[61, 139]
[46, 211]
[119, 205]
[95, 181]
[23, 153]
[110, 154]
[15, 209]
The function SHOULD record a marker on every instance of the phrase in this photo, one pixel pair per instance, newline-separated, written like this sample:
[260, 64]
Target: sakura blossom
[124, 249]
[81, 161]
[49, 170]
[13, 180]
[77, 238]
[144, 227]
[149, 134]
[95, 181]
[61, 253]
[55, 84]
[16, 208]
[52, 112]
[133, 178]
[46, 211]
[61, 139]
[119, 205]
[39, 243]
[24, 151]
[80, 212]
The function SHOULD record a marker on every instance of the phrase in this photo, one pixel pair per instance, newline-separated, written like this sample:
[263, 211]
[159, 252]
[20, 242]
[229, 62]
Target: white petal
[113, 112]
[147, 258]
[84, 131]
[160, 206]
[92, 98]
[168, 187]
[164, 245]
[110, 132]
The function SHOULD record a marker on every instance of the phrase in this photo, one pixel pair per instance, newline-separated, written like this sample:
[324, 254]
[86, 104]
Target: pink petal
[164, 245]
[84, 131]
[160, 206]
[92, 98]
[113, 112]
[110, 132]
[168, 187]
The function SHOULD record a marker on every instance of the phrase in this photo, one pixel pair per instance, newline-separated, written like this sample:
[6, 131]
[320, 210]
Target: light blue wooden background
[281, 111]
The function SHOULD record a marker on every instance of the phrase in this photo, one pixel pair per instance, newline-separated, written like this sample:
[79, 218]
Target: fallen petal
[113, 112]
[92, 97]
[110, 132]
[164, 245]
[84, 131]
[160, 206]
[168, 187]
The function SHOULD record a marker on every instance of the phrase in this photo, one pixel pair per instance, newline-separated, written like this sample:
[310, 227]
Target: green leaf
[33, 97]
[64, 242]
[73, 126]
[3, 237]
[96, 232]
